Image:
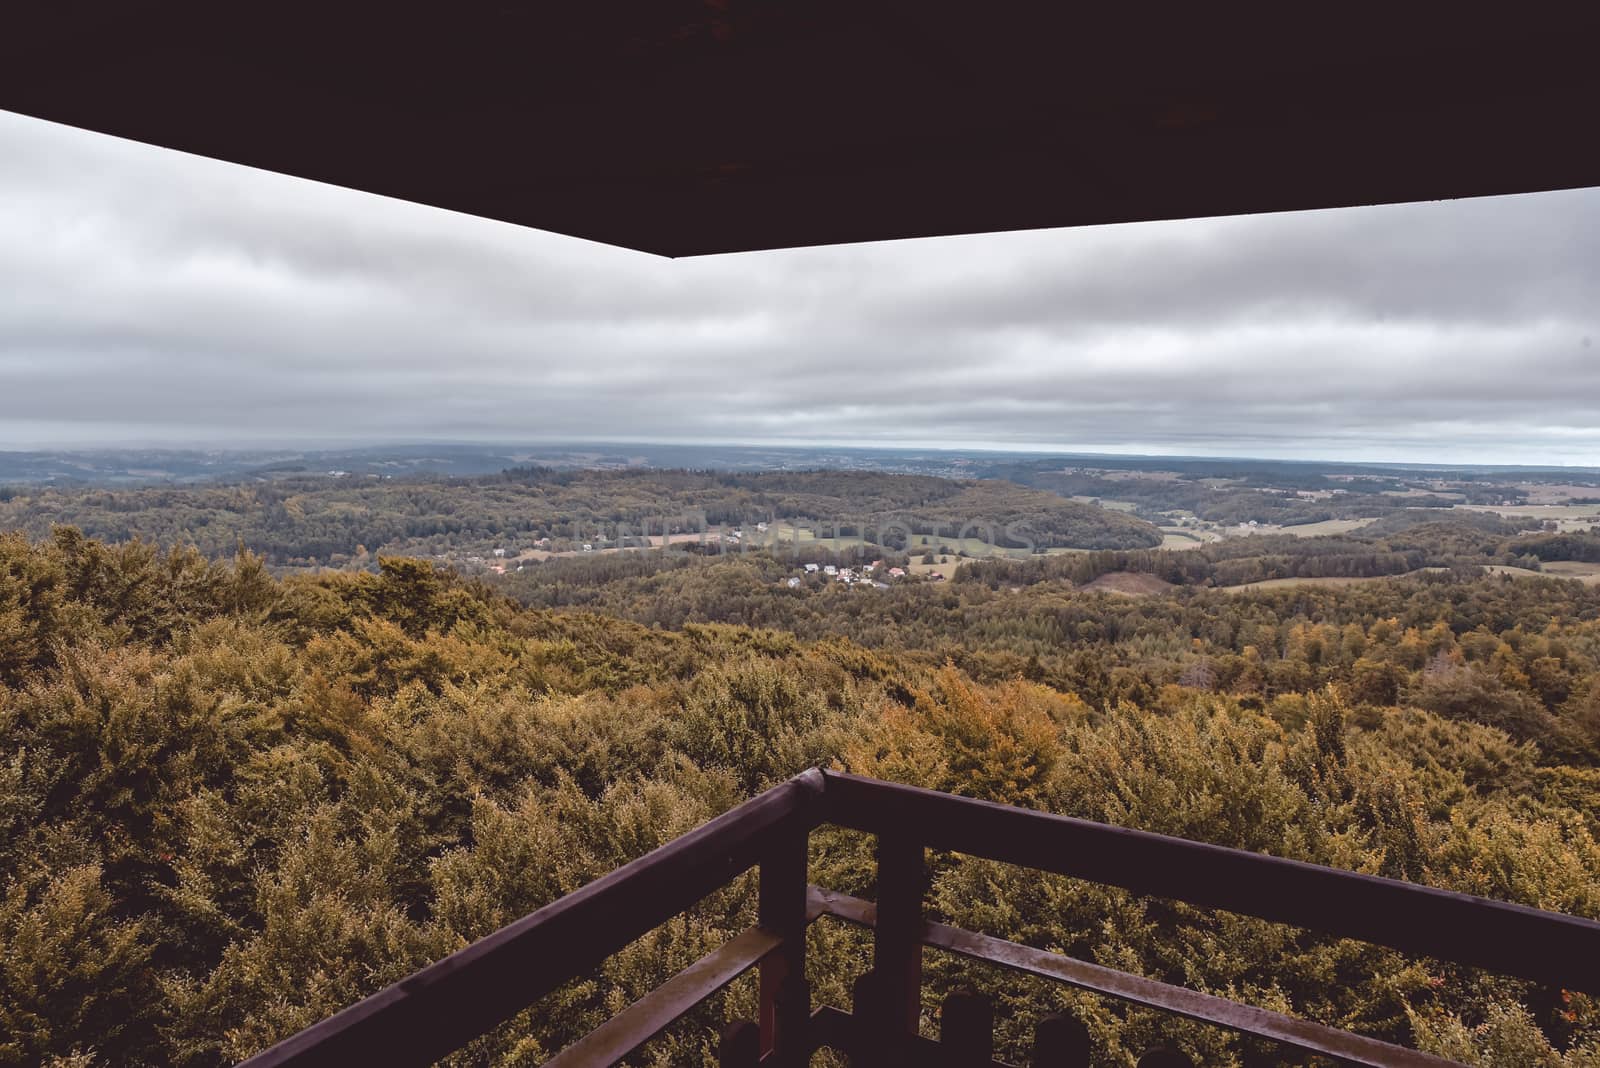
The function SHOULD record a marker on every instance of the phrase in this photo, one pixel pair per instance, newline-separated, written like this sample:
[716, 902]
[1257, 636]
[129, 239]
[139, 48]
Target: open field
[1429, 492]
[1303, 530]
[779, 536]
[1566, 516]
[783, 534]
[1577, 569]
[1280, 583]
[1128, 583]
[978, 548]
[1556, 493]
[948, 563]
[971, 546]
[1588, 574]
[1118, 506]
[1118, 474]
[1327, 526]
[657, 541]
[1331, 580]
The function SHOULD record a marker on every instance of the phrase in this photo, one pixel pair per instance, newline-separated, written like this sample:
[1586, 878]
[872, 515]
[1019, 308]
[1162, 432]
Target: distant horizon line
[1031, 450]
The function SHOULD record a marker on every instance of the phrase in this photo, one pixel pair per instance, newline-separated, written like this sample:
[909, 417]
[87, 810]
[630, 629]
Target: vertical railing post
[740, 1046]
[867, 1046]
[1060, 1041]
[966, 1030]
[897, 952]
[785, 994]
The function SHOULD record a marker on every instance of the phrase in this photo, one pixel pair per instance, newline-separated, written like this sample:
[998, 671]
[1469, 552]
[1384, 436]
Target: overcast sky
[151, 297]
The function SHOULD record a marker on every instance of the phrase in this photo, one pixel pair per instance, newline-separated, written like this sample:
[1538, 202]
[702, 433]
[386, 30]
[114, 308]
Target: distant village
[502, 559]
[866, 576]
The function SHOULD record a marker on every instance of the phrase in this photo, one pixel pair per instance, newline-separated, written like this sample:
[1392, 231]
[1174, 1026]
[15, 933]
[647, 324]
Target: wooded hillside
[335, 522]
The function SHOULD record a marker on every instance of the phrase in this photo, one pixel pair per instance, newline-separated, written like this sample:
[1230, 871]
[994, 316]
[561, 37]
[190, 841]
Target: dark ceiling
[684, 127]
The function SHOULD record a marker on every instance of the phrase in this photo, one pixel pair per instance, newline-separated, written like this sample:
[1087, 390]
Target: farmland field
[1280, 583]
[1331, 581]
[1327, 526]
[1128, 583]
[1566, 516]
[1303, 530]
[1577, 569]
[1118, 506]
[1588, 574]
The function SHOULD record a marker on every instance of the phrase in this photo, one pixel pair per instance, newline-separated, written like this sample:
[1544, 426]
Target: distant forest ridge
[149, 466]
[337, 521]
[297, 515]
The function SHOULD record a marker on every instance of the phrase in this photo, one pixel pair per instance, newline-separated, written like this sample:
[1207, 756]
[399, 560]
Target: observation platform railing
[444, 1006]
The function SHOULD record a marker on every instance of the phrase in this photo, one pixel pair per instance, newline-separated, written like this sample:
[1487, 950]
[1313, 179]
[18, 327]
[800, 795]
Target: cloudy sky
[150, 297]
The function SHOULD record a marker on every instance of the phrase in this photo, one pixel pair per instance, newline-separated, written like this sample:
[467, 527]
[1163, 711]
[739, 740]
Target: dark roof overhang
[684, 127]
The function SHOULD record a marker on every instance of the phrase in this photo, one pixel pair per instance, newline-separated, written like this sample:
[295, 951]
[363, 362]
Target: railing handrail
[443, 1006]
[440, 1008]
[1515, 940]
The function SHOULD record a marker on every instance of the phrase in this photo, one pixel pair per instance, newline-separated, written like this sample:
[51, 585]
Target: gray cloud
[151, 297]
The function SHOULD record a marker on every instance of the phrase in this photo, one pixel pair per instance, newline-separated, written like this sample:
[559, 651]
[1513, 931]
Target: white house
[812, 569]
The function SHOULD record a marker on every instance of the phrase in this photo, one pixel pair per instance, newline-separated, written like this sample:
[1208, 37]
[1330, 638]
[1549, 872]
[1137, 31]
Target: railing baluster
[966, 1030]
[1060, 1041]
[740, 1046]
[897, 952]
[1165, 1057]
[785, 993]
[871, 1045]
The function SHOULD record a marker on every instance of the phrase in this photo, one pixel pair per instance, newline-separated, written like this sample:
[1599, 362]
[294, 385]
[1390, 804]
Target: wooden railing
[442, 1007]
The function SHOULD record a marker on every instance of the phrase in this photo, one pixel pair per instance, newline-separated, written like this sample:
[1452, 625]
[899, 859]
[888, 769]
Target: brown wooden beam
[785, 992]
[1514, 940]
[1305, 1035]
[897, 949]
[668, 1003]
[447, 1004]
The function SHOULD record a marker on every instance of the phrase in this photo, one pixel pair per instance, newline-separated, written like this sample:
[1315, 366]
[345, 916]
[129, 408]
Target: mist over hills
[141, 466]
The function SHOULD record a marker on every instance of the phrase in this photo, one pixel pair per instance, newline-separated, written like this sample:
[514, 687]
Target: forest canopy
[231, 804]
